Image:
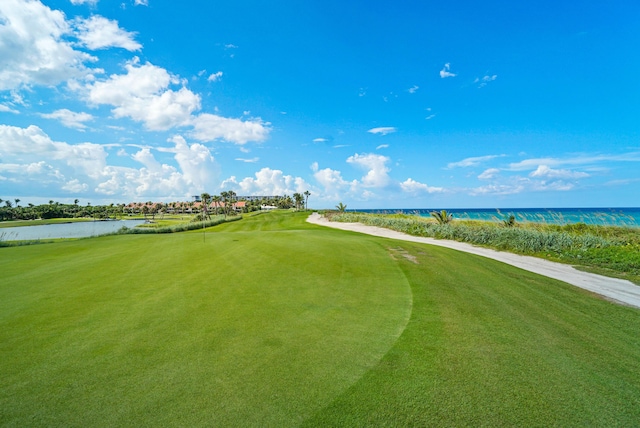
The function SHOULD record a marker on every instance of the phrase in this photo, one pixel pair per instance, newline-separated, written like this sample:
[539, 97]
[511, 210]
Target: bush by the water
[181, 227]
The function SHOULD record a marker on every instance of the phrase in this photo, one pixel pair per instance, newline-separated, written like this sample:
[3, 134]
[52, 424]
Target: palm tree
[306, 200]
[228, 197]
[216, 201]
[17, 202]
[298, 198]
[442, 217]
[206, 198]
[341, 207]
[224, 197]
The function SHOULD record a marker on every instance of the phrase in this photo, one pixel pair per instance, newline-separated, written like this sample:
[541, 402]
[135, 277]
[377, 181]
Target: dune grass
[274, 322]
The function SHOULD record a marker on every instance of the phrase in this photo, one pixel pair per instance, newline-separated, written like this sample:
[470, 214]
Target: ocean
[629, 217]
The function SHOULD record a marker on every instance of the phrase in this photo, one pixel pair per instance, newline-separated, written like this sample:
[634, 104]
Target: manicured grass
[245, 328]
[270, 321]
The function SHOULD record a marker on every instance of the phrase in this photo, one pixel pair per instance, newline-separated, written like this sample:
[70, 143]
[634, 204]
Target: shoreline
[618, 290]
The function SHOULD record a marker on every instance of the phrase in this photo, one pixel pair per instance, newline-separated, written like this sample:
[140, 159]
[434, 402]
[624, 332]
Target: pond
[65, 230]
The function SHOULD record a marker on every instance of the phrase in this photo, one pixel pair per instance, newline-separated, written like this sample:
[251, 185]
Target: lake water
[65, 230]
[599, 216]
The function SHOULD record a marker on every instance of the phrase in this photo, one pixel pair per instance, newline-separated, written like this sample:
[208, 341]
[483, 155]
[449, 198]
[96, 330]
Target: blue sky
[376, 104]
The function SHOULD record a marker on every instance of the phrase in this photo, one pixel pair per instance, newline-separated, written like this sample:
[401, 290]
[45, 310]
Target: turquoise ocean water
[629, 217]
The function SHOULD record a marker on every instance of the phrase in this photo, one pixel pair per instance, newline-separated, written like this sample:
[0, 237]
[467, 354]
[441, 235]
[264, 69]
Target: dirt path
[619, 290]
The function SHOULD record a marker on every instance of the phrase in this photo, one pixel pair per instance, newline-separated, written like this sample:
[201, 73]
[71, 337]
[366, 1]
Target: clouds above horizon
[383, 130]
[445, 72]
[99, 100]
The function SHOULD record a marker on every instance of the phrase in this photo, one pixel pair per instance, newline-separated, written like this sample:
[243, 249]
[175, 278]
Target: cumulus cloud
[377, 171]
[98, 32]
[267, 181]
[31, 156]
[35, 49]
[333, 185]
[384, 130]
[211, 127]
[143, 95]
[32, 145]
[412, 186]
[69, 118]
[445, 72]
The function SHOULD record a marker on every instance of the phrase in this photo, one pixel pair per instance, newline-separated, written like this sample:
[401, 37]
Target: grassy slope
[245, 328]
[144, 330]
[489, 345]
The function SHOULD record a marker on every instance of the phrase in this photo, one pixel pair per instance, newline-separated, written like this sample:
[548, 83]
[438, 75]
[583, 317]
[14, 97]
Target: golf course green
[271, 321]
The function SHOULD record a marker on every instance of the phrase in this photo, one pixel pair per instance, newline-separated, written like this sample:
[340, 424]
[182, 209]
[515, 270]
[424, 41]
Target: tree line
[225, 203]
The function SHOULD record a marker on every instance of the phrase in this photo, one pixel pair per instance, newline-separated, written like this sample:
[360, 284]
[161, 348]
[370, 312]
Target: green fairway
[269, 321]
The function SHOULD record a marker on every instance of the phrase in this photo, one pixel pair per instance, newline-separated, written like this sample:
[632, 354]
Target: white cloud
[384, 130]
[482, 81]
[413, 89]
[382, 146]
[320, 140]
[543, 171]
[89, 2]
[215, 76]
[431, 116]
[583, 159]
[30, 156]
[377, 170]
[69, 118]
[7, 109]
[498, 189]
[489, 174]
[445, 72]
[143, 95]
[412, 186]
[473, 161]
[334, 186]
[211, 127]
[141, 2]
[198, 166]
[267, 181]
[98, 32]
[31, 144]
[251, 160]
[35, 49]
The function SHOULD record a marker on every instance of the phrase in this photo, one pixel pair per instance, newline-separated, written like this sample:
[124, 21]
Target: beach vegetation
[442, 217]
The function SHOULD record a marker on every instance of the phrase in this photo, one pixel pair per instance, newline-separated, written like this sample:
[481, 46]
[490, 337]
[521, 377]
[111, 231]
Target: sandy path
[619, 290]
